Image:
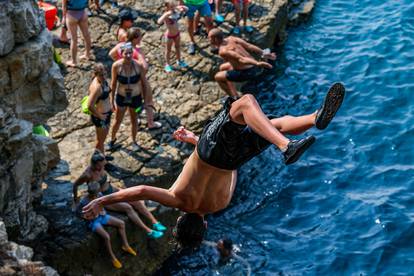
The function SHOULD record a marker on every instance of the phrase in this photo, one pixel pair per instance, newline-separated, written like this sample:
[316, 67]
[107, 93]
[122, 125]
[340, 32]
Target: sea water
[347, 206]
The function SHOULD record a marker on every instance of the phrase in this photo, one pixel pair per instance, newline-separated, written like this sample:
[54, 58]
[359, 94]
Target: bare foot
[85, 56]
[70, 63]
[184, 135]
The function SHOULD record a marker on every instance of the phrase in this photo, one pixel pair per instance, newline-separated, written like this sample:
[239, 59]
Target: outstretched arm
[253, 48]
[142, 192]
[233, 55]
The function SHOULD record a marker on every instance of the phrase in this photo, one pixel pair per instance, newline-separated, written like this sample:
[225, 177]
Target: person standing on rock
[76, 16]
[239, 132]
[99, 104]
[240, 5]
[239, 64]
[203, 7]
[134, 37]
[172, 35]
[95, 173]
[97, 225]
[127, 18]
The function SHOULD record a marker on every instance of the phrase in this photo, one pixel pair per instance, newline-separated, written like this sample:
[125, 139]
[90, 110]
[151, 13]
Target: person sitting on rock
[239, 64]
[97, 224]
[235, 135]
[127, 18]
[172, 35]
[134, 37]
[99, 105]
[95, 173]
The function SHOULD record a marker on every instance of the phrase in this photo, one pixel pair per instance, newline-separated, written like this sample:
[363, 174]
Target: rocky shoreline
[187, 97]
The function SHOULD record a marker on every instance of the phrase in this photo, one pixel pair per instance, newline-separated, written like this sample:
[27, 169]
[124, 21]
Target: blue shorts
[203, 9]
[99, 221]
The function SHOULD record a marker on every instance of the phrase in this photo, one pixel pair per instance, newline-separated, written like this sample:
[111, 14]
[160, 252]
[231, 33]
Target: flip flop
[330, 105]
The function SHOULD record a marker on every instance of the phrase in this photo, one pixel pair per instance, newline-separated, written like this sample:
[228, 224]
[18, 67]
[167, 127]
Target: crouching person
[97, 224]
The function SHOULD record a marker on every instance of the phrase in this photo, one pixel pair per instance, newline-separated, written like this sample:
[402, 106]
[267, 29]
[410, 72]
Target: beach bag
[84, 105]
[77, 5]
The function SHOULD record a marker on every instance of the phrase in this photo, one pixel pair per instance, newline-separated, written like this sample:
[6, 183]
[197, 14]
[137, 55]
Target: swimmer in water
[239, 132]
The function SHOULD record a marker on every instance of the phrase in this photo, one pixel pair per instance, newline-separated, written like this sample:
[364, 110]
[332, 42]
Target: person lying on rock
[239, 132]
[97, 224]
[95, 173]
[239, 64]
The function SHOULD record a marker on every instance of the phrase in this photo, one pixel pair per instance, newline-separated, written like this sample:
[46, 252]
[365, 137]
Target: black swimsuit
[135, 101]
[227, 145]
[95, 120]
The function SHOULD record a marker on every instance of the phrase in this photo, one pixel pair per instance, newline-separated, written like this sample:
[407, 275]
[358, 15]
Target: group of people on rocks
[236, 134]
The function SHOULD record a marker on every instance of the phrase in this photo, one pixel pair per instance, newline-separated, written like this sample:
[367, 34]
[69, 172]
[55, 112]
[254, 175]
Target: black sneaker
[296, 148]
[330, 105]
[112, 146]
[191, 49]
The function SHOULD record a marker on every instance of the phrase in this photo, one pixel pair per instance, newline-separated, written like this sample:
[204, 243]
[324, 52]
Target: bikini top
[105, 92]
[172, 19]
[101, 181]
[130, 79]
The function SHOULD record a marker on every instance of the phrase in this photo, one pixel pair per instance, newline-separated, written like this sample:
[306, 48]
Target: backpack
[77, 5]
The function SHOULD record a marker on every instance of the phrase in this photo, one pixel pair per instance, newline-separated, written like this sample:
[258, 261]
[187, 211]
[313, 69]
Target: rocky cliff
[31, 91]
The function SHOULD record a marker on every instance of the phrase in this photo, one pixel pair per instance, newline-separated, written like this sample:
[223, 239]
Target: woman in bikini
[172, 35]
[99, 105]
[76, 16]
[134, 37]
[95, 173]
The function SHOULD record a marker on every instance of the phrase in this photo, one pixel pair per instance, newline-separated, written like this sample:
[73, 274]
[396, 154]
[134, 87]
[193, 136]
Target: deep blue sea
[347, 207]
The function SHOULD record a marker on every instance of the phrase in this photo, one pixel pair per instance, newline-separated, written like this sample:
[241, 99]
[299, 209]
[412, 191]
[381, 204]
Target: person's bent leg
[222, 81]
[101, 232]
[294, 125]
[226, 67]
[132, 215]
[113, 221]
[246, 111]
[84, 27]
[142, 209]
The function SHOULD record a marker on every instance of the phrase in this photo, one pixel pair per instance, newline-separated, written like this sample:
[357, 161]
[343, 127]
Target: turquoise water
[347, 207]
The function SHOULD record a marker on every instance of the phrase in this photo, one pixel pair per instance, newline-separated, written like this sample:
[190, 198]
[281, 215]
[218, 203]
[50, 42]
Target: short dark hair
[190, 230]
[97, 157]
[227, 244]
[216, 33]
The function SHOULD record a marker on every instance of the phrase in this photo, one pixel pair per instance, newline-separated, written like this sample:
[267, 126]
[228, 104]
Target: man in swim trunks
[239, 64]
[236, 134]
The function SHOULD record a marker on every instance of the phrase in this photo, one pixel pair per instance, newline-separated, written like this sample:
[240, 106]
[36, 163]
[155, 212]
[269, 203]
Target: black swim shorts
[243, 75]
[227, 145]
[135, 102]
[102, 123]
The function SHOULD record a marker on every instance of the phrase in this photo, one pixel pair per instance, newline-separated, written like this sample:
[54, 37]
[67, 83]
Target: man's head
[189, 230]
[225, 247]
[98, 161]
[216, 37]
